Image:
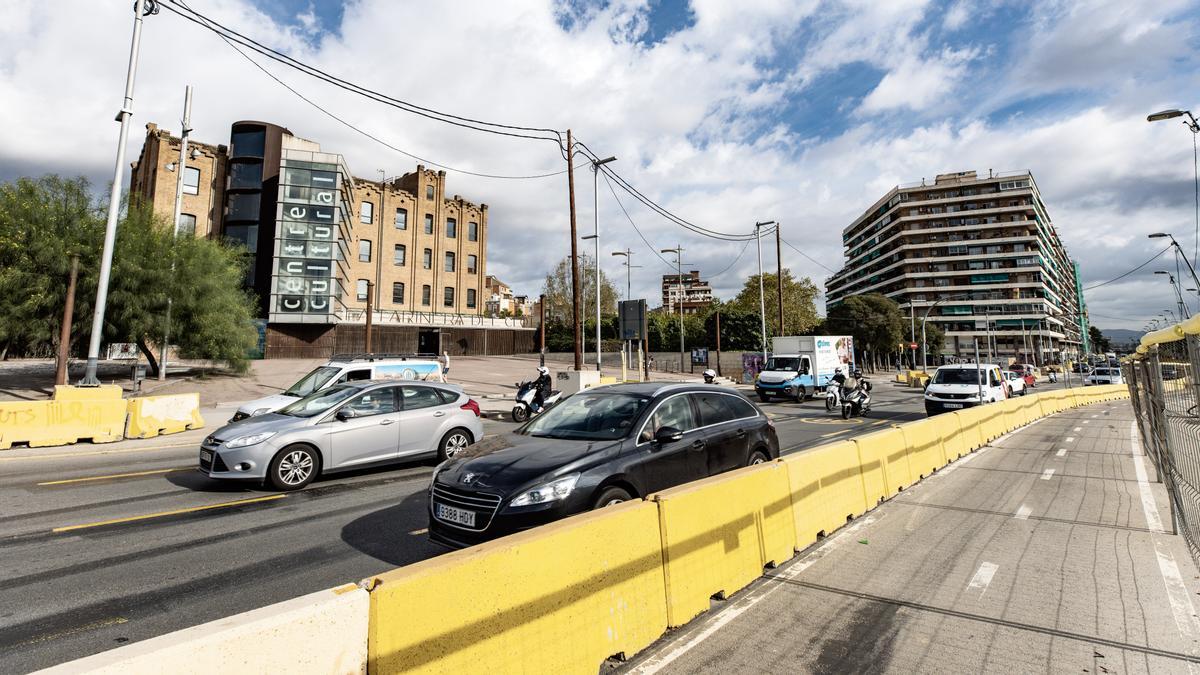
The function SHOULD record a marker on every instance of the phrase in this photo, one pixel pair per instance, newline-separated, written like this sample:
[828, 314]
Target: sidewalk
[1042, 552]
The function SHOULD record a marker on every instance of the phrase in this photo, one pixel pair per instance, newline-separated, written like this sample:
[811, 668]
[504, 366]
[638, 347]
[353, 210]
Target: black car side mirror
[345, 414]
[667, 435]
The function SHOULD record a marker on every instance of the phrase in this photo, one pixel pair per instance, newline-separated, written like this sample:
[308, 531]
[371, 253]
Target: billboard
[632, 319]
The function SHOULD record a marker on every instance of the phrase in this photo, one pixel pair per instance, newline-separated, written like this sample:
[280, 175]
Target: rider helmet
[543, 370]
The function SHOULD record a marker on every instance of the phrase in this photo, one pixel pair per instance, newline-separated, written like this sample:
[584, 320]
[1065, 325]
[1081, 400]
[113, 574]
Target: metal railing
[1164, 389]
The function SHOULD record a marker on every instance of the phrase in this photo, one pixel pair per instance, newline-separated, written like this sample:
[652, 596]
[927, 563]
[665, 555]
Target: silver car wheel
[612, 502]
[456, 443]
[295, 468]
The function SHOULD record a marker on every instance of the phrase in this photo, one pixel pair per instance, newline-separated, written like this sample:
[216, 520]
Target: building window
[471, 298]
[449, 262]
[361, 287]
[366, 213]
[471, 262]
[428, 192]
[448, 297]
[427, 259]
[399, 255]
[401, 219]
[364, 250]
[472, 231]
[191, 180]
[451, 228]
[425, 292]
[187, 225]
[398, 293]
[428, 223]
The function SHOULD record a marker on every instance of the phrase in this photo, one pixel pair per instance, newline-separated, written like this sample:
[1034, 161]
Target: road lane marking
[983, 577]
[1023, 513]
[1177, 593]
[423, 530]
[1077, 429]
[1047, 474]
[103, 623]
[173, 512]
[1086, 421]
[116, 475]
[114, 451]
[833, 433]
[1070, 439]
[1062, 452]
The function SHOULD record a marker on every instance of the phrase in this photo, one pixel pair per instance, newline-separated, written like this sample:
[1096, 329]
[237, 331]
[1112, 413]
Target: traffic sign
[912, 345]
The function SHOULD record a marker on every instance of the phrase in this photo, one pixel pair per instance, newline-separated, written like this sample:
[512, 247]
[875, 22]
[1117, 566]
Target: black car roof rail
[365, 356]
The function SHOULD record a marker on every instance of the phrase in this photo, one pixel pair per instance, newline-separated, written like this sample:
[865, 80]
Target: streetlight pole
[181, 167]
[1182, 306]
[596, 164]
[678, 251]
[762, 304]
[1194, 127]
[141, 8]
[1178, 250]
[628, 254]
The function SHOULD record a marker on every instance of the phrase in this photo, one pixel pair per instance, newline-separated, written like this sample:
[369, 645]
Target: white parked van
[348, 368]
[963, 385]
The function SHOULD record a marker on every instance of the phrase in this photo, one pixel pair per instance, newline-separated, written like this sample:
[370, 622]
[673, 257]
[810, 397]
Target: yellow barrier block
[902, 377]
[66, 392]
[954, 440]
[1009, 411]
[923, 439]
[150, 416]
[969, 419]
[47, 423]
[827, 489]
[993, 421]
[558, 599]
[886, 447]
[719, 533]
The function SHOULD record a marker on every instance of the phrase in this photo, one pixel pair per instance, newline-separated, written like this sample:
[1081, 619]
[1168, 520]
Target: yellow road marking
[65, 455]
[116, 475]
[420, 531]
[103, 623]
[174, 512]
[833, 433]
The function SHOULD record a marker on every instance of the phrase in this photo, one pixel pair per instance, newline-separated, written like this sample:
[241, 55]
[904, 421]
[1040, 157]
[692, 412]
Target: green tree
[1100, 343]
[799, 303]
[874, 321]
[935, 340]
[740, 329]
[557, 288]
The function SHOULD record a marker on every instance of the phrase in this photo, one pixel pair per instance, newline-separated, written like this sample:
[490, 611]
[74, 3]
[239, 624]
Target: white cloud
[919, 83]
[956, 16]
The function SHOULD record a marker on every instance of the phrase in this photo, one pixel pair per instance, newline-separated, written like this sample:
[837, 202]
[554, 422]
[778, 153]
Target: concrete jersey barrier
[150, 416]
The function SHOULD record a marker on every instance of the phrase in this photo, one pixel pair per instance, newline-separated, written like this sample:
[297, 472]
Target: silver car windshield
[319, 402]
[312, 381]
[588, 417]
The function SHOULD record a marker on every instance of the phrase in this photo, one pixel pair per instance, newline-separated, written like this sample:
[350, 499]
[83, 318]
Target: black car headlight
[555, 490]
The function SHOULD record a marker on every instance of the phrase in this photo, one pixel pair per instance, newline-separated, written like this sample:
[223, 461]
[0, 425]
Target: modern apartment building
[978, 255]
[688, 288]
[324, 242]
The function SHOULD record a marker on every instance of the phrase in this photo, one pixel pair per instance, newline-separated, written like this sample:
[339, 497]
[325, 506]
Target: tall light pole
[678, 251]
[1180, 253]
[141, 8]
[181, 167]
[1182, 306]
[762, 303]
[1193, 127]
[628, 254]
[596, 164]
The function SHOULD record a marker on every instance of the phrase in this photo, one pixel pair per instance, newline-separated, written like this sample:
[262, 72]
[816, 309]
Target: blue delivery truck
[800, 365]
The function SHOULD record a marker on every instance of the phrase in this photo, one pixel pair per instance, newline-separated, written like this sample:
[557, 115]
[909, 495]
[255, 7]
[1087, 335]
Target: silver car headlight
[260, 411]
[252, 439]
[550, 492]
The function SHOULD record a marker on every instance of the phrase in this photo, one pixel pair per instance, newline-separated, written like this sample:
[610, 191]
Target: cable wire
[810, 258]
[653, 249]
[1105, 283]
[730, 265]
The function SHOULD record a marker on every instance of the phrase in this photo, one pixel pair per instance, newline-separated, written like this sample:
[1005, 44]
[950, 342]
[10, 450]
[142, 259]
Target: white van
[963, 385]
[1104, 376]
[348, 368]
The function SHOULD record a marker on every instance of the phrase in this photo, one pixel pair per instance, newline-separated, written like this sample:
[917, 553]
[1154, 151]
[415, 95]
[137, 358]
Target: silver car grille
[483, 504]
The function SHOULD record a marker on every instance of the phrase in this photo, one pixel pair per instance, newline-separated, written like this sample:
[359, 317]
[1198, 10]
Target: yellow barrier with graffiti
[150, 416]
[61, 422]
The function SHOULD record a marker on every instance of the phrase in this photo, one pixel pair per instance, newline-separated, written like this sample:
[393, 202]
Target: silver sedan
[348, 426]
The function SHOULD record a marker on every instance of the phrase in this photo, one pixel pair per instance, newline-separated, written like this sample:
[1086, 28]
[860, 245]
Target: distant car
[347, 426]
[1079, 367]
[1170, 372]
[1103, 375]
[1016, 383]
[599, 447]
[964, 385]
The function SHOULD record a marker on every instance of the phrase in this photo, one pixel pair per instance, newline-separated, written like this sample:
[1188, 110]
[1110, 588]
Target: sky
[800, 111]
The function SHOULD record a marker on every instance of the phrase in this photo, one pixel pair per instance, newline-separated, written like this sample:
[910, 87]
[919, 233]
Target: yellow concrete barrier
[46, 423]
[558, 599]
[1009, 413]
[150, 416]
[954, 441]
[923, 440]
[318, 633]
[719, 533]
[902, 377]
[66, 392]
[968, 420]
[827, 489]
[888, 449]
[993, 422]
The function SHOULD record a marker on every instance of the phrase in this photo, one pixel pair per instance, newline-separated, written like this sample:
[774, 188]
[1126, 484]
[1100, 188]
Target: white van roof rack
[363, 356]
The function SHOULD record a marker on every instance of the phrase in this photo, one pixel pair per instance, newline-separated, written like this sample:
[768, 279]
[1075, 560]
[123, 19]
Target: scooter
[525, 407]
[857, 402]
[833, 397]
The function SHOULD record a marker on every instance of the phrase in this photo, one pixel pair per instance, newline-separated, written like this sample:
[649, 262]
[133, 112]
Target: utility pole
[367, 339]
[596, 164]
[912, 331]
[779, 276]
[542, 324]
[379, 240]
[678, 251]
[181, 168]
[762, 308]
[64, 337]
[718, 342]
[578, 330]
[114, 200]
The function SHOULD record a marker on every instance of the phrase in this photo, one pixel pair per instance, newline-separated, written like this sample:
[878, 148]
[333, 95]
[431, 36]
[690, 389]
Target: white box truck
[801, 365]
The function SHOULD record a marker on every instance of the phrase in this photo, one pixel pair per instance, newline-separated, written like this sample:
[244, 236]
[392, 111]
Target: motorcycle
[526, 395]
[833, 397]
[857, 402]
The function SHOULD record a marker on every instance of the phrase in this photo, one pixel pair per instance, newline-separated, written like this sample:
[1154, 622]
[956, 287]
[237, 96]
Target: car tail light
[472, 406]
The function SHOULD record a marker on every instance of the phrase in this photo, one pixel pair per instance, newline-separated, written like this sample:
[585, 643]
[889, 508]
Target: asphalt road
[105, 545]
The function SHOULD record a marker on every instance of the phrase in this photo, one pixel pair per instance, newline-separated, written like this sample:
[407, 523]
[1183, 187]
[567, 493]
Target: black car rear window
[588, 416]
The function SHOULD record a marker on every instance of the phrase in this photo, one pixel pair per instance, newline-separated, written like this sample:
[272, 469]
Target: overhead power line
[653, 249]
[1152, 259]
[810, 258]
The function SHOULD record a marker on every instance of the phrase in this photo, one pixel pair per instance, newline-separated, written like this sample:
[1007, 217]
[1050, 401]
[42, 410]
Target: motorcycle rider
[710, 376]
[541, 386]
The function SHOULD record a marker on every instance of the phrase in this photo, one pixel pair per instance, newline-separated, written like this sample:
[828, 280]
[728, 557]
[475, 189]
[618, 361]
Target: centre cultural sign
[397, 318]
